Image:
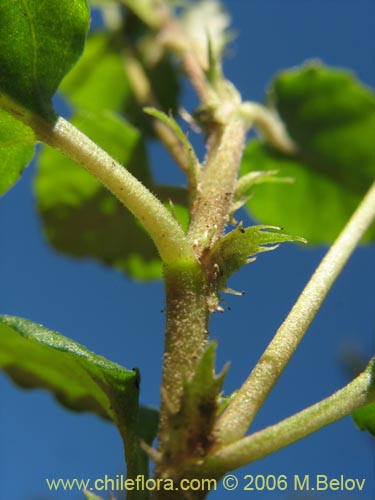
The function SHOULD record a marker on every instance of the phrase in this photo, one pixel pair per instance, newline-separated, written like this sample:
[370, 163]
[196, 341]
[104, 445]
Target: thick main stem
[185, 341]
[237, 418]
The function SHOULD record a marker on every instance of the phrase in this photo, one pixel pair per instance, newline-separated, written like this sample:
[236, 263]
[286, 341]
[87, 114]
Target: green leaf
[365, 418]
[39, 43]
[81, 217]
[172, 124]
[16, 149]
[148, 421]
[191, 427]
[330, 116]
[194, 164]
[238, 248]
[98, 81]
[313, 206]
[34, 356]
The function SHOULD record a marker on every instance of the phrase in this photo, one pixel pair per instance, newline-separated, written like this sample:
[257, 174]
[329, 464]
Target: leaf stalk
[238, 416]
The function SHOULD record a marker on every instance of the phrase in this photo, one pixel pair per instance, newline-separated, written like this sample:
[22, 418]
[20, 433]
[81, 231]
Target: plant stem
[357, 393]
[270, 125]
[174, 38]
[141, 87]
[165, 231]
[240, 413]
[215, 192]
[185, 340]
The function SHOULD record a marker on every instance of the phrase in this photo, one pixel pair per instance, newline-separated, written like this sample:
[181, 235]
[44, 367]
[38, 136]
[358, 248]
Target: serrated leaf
[81, 217]
[98, 80]
[191, 427]
[39, 43]
[239, 247]
[34, 356]
[17, 143]
[330, 117]
[365, 418]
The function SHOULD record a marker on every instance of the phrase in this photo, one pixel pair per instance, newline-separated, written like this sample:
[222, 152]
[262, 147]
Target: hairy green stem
[236, 419]
[165, 231]
[216, 188]
[185, 341]
[357, 393]
[270, 125]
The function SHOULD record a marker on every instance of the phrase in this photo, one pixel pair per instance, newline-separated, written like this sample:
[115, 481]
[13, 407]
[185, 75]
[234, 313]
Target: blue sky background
[121, 320]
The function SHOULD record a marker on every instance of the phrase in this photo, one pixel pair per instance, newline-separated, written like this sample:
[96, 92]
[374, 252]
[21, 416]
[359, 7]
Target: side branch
[270, 125]
[240, 413]
[142, 89]
[357, 393]
[165, 231]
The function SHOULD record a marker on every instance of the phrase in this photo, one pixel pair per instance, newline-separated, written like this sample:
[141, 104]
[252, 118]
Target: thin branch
[270, 125]
[142, 89]
[357, 393]
[159, 223]
[215, 194]
[240, 413]
[249, 180]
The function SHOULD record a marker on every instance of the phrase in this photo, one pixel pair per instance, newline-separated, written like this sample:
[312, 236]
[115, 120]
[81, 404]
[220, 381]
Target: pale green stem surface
[216, 188]
[270, 125]
[357, 393]
[165, 231]
[236, 419]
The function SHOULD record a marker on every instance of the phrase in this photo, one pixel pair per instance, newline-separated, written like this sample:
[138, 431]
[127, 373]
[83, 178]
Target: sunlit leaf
[38, 46]
[35, 357]
[313, 206]
[330, 117]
